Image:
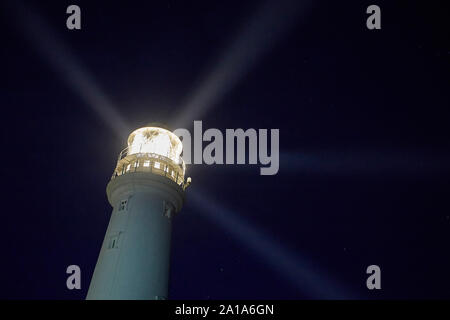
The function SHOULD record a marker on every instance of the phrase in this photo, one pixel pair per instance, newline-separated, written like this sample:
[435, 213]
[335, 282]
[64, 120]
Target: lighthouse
[146, 191]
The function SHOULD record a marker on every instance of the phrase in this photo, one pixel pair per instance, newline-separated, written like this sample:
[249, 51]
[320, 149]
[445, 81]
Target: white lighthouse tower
[145, 191]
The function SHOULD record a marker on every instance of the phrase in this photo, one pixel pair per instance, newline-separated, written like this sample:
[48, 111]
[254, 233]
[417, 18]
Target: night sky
[364, 143]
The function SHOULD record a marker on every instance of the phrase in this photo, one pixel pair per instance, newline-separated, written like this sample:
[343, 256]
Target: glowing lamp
[155, 150]
[155, 140]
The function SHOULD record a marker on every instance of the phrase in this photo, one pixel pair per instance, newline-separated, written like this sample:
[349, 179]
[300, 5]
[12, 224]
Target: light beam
[306, 276]
[366, 162]
[58, 56]
[259, 35]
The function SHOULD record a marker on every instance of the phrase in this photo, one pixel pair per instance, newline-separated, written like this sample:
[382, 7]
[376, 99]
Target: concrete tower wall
[134, 258]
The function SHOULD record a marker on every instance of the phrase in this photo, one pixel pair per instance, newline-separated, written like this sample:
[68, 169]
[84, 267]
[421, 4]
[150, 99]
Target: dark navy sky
[364, 141]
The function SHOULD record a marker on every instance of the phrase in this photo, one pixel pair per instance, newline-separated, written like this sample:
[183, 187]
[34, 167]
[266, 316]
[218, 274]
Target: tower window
[147, 163]
[157, 165]
[123, 205]
[113, 242]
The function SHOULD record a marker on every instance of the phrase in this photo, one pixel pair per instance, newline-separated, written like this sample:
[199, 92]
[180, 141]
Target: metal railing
[125, 152]
[152, 163]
